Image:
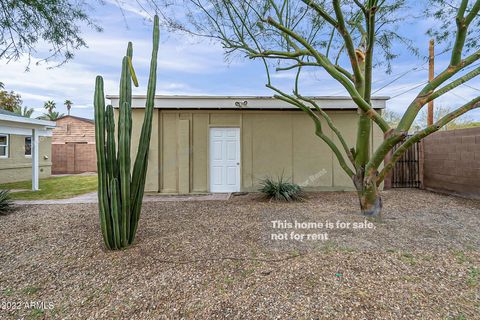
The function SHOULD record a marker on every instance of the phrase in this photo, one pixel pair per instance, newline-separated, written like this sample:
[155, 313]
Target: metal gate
[406, 173]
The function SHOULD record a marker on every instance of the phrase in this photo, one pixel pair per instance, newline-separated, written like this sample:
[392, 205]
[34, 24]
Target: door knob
[238, 163]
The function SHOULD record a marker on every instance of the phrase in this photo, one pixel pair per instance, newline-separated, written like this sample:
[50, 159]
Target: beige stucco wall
[272, 143]
[18, 167]
[151, 183]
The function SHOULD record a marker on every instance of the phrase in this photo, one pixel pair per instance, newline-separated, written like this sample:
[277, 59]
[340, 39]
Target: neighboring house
[73, 145]
[19, 159]
[227, 144]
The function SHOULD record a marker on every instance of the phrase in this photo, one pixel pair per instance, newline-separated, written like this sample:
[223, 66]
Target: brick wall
[73, 129]
[452, 162]
[73, 158]
[73, 146]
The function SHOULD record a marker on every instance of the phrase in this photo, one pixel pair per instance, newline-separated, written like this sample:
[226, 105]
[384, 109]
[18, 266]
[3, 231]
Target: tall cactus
[120, 192]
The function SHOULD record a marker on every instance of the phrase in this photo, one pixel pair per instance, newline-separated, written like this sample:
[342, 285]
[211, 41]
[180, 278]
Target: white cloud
[175, 54]
[130, 8]
[36, 97]
[72, 81]
[82, 106]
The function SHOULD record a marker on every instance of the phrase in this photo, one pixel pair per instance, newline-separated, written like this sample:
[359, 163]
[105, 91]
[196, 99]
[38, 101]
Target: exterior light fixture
[241, 104]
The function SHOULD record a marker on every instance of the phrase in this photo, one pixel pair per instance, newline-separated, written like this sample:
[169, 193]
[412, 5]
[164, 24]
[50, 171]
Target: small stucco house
[25, 148]
[228, 144]
[73, 145]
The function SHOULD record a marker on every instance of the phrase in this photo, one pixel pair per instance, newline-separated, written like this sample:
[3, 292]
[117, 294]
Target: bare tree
[347, 39]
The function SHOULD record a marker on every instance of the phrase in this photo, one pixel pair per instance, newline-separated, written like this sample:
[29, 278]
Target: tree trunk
[368, 195]
[371, 204]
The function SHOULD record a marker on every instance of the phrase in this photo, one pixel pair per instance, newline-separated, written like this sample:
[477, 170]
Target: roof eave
[242, 102]
[188, 97]
[29, 121]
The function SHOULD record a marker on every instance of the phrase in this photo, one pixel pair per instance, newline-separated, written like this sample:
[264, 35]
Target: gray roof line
[241, 97]
[9, 113]
[78, 118]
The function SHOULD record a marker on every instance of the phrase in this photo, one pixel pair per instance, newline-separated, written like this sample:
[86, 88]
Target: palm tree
[25, 112]
[51, 116]
[68, 104]
[50, 105]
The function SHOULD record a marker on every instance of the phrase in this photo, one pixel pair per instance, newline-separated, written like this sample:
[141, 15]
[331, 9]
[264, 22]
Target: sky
[193, 66]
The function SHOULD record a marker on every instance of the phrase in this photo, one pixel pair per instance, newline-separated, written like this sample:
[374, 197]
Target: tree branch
[462, 30]
[312, 4]
[370, 16]
[280, 54]
[344, 72]
[473, 12]
[472, 74]
[342, 29]
[299, 64]
[330, 68]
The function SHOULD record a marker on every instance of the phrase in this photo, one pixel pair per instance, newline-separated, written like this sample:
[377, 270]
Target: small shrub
[281, 190]
[6, 203]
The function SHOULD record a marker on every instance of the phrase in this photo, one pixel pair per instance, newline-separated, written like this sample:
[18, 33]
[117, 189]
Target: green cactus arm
[129, 49]
[124, 173]
[112, 167]
[125, 94]
[137, 205]
[115, 201]
[130, 64]
[103, 201]
[128, 85]
[132, 72]
[124, 144]
[141, 161]
[144, 142]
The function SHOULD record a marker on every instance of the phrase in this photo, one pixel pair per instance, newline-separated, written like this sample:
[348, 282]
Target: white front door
[224, 159]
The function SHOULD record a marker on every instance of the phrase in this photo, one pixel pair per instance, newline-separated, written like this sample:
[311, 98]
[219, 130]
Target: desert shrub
[281, 189]
[6, 203]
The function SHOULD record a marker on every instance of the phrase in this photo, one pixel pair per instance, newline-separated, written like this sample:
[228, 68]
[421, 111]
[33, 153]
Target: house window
[28, 146]
[3, 146]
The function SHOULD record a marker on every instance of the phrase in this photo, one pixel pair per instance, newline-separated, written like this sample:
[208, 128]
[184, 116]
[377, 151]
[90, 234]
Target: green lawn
[54, 188]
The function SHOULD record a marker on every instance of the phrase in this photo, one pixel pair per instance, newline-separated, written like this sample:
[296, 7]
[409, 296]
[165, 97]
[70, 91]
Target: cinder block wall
[452, 162]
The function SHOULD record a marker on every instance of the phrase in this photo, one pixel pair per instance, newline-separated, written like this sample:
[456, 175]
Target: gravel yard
[217, 259]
